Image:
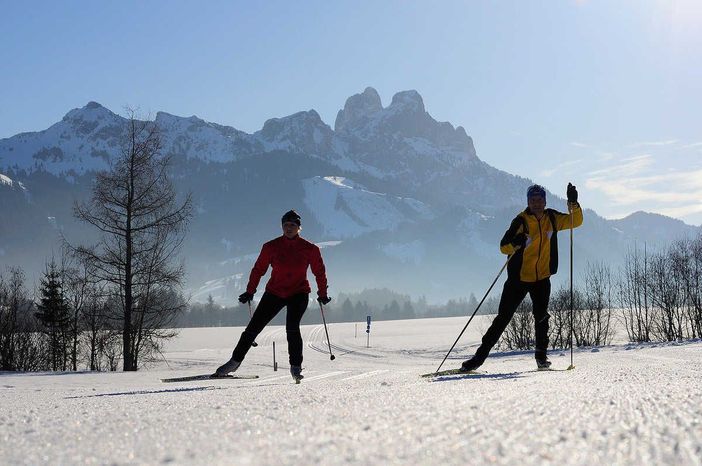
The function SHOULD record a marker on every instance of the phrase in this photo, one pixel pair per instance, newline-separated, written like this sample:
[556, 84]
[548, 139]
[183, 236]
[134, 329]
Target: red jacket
[289, 259]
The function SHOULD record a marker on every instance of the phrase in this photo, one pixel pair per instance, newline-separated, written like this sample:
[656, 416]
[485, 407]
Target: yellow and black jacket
[539, 259]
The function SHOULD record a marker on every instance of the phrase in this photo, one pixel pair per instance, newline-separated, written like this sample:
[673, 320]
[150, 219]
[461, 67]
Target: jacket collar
[528, 211]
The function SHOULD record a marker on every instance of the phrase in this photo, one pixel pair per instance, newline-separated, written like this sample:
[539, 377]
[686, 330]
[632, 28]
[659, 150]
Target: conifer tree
[53, 313]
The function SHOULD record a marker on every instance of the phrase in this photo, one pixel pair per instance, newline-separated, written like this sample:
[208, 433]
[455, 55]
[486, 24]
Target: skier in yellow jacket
[532, 240]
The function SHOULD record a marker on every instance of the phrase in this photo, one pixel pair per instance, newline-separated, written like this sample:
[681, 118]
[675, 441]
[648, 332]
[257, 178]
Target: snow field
[623, 404]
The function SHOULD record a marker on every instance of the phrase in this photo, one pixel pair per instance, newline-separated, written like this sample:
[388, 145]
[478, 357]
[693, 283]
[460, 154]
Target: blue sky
[606, 94]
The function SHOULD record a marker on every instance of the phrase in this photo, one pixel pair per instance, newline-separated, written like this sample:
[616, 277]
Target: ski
[452, 372]
[207, 377]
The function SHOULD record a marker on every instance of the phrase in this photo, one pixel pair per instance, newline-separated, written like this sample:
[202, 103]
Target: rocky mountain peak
[297, 121]
[93, 111]
[358, 109]
[299, 132]
[408, 101]
[168, 121]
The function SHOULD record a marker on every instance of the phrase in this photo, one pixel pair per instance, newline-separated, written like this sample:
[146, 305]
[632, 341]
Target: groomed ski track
[623, 404]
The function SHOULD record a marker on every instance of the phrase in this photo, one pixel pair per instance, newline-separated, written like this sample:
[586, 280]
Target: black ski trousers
[513, 294]
[268, 308]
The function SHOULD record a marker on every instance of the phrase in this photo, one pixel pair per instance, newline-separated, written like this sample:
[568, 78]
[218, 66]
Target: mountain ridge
[402, 200]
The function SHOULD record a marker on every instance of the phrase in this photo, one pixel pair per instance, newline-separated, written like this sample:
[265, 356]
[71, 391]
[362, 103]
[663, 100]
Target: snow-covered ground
[623, 404]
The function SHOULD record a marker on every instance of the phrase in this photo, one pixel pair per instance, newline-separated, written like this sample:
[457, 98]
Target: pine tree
[54, 316]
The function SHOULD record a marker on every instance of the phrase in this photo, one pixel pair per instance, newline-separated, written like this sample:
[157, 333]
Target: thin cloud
[560, 167]
[682, 189]
[606, 156]
[631, 167]
[665, 177]
[668, 142]
[579, 144]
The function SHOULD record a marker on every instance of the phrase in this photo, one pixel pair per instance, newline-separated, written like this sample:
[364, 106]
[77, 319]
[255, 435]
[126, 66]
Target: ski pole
[321, 309]
[251, 315]
[476, 310]
[570, 209]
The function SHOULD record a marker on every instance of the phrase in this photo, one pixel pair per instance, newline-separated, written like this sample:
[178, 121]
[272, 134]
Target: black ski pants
[268, 308]
[513, 294]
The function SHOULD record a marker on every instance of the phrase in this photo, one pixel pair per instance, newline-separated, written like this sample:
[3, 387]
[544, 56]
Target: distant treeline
[658, 296]
[381, 304]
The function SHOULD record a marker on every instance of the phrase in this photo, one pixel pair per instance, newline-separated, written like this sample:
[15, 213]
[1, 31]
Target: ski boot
[296, 372]
[226, 368]
[471, 364]
[543, 364]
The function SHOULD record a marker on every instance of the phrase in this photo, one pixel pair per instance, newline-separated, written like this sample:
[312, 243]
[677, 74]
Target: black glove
[245, 297]
[519, 240]
[572, 194]
[324, 300]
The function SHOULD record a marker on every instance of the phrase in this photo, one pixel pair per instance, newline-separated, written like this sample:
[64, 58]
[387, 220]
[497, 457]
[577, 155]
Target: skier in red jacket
[289, 256]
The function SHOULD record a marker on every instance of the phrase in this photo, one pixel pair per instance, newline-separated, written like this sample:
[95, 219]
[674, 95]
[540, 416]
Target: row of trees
[21, 345]
[653, 297]
[66, 328]
[661, 293]
[78, 319]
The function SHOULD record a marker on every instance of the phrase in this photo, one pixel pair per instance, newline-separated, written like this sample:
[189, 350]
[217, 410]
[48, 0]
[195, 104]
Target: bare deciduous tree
[667, 296]
[686, 255]
[142, 227]
[22, 346]
[693, 286]
[77, 283]
[559, 324]
[632, 292]
[598, 303]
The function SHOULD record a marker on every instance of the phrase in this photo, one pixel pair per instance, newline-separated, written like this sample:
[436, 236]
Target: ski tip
[570, 368]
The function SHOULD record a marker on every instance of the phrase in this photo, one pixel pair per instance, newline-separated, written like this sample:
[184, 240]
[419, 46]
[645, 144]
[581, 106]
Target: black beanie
[291, 216]
[536, 190]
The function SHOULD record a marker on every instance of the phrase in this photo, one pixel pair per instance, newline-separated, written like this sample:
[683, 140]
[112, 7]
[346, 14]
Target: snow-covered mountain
[398, 198]
[654, 229]
[345, 209]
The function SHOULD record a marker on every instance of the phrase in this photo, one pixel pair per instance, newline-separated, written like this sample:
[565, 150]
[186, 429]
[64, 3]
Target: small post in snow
[275, 364]
[368, 322]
